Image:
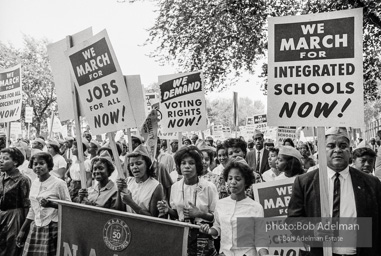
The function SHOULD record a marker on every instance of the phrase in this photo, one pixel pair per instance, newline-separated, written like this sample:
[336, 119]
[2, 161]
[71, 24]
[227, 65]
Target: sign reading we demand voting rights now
[182, 102]
[100, 84]
[315, 70]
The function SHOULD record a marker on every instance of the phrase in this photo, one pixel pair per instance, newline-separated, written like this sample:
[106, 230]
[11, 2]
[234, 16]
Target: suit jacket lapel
[359, 192]
[317, 210]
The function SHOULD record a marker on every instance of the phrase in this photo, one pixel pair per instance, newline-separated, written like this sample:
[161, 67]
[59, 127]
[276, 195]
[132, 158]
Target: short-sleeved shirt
[103, 197]
[203, 194]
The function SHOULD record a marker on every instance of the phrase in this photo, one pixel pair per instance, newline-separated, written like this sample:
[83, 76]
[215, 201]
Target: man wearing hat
[351, 193]
[372, 144]
[258, 157]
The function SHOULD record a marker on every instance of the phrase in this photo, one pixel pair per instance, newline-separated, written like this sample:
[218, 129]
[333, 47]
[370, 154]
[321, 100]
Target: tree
[226, 38]
[37, 80]
[220, 110]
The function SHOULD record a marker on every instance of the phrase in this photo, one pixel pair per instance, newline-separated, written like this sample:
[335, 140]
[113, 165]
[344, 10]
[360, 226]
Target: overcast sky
[125, 23]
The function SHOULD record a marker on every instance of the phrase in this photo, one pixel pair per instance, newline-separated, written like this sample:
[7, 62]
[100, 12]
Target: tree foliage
[220, 110]
[37, 79]
[226, 38]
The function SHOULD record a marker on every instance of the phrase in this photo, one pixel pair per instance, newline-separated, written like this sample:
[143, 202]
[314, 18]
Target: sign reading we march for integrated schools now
[100, 84]
[10, 94]
[315, 70]
[182, 102]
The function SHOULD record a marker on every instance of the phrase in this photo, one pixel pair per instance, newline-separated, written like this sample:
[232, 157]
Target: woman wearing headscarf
[141, 192]
[288, 163]
[103, 194]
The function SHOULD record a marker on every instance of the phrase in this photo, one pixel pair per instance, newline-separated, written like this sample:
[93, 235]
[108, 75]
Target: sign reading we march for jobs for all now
[10, 94]
[182, 102]
[315, 70]
[100, 84]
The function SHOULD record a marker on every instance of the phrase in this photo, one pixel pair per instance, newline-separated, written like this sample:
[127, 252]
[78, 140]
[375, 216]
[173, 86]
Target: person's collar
[344, 173]
[260, 150]
[109, 186]
[13, 177]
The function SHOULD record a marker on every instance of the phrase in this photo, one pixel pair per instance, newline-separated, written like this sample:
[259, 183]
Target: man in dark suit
[351, 193]
[252, 156]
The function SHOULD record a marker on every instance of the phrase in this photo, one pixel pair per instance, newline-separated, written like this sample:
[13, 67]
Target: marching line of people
[202, 182]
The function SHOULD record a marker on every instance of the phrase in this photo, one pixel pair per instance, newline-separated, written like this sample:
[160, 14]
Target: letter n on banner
[84, 229]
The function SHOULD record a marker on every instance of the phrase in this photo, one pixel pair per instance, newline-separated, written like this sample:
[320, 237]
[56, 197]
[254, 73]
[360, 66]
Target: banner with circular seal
[116, 234]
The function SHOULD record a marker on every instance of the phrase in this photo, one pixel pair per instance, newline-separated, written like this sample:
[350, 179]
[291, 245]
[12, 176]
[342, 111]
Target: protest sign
[226, 132]
[16, 131]
[182, 102]
[100, 85]
[61, 72]
[284, 132]
[136, 92]
[149, 133]
[260, 122]
[28, 114]
[217, 132]
[10, 94]
[315, 69]
[274, 196]
[117, 233]
[151, 98]
[57, 126]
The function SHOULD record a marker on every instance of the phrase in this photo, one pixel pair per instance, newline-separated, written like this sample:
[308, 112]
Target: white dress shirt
[347, 202]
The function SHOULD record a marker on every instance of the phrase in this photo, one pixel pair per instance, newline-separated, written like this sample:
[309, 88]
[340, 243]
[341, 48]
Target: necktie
[258, 161]
[336, 202]
[336, 197]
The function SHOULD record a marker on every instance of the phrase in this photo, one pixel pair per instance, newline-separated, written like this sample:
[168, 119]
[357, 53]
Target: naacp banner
[10, 94]
[100, 85]
[88, 230]
[315, 70]
[182, 102]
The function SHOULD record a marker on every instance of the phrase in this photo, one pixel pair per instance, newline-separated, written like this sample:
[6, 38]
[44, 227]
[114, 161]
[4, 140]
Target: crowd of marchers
[203, 182]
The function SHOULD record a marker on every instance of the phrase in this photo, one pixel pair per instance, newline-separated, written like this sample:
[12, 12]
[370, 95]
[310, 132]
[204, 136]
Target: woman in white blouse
[239, 177]
[42, 218]
[192, 200]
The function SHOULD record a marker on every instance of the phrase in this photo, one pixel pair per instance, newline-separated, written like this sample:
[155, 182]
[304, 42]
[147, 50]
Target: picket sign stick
[51, 126]
[323, 184]
[180, 138]
[116, 155]
[28, 131]
[8, 134]
[78, 136]
[202, 135]
[130, 149]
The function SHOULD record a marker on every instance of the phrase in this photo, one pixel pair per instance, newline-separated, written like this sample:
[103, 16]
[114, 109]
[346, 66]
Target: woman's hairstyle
[293, 166]
[16, 155]
[289, 140]
[274, 150]
[244, 169]
[55, 147]
[110, 167]
[210, 154]
[191, 151]
[150, 167]
[236, 143]
[44, 156]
